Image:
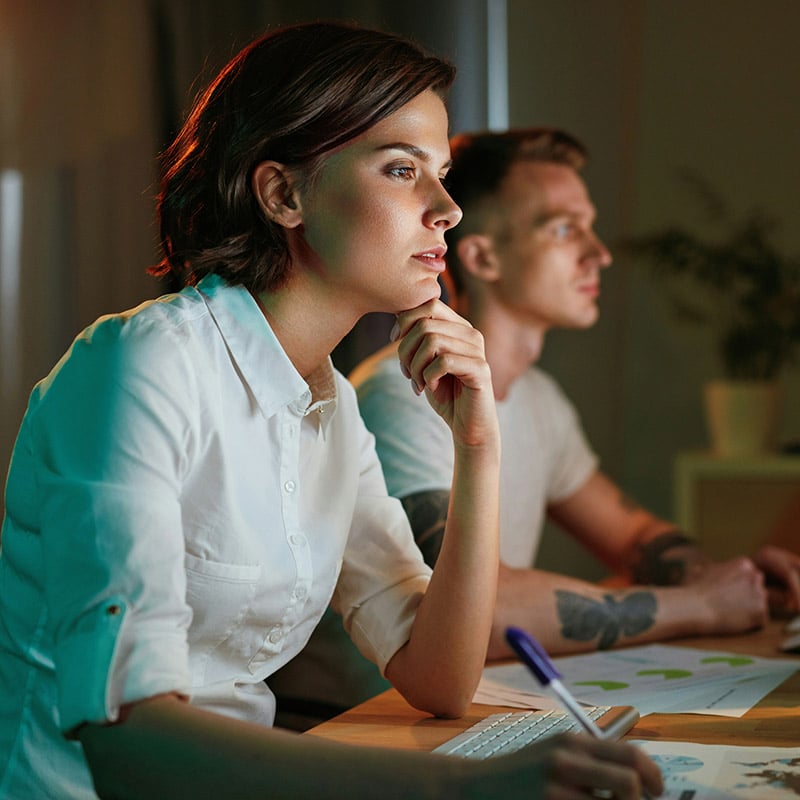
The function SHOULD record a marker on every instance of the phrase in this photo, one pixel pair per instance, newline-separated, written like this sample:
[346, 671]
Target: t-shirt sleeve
[574, 461]
[413, 442]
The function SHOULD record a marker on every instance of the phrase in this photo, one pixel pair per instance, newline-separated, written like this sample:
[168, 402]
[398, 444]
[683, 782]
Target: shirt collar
[263, 363]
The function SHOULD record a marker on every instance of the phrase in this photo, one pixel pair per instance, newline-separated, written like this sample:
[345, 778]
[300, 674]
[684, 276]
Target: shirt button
[290, 486]
[300, 592]
[275, 635]
[297, 539]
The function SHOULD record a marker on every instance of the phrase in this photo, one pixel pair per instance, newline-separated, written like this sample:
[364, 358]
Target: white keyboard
[503, 733]
[791, 642]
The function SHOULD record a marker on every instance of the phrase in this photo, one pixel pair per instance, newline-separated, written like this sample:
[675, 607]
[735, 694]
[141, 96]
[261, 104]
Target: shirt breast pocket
[220, 595]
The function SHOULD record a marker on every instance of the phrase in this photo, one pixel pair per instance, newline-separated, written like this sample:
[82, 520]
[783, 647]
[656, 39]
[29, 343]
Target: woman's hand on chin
[443, 356]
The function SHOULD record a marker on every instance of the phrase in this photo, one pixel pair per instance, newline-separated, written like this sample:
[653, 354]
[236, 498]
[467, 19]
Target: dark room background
[91, 90]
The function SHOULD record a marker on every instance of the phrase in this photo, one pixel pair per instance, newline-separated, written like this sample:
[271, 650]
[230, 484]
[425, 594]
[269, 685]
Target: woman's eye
[401, 172]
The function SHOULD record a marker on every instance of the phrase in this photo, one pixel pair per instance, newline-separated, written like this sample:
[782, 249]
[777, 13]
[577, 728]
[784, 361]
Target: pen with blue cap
[536, 659]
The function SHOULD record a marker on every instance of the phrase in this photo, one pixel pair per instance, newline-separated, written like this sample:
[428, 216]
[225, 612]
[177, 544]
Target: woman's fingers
[434, 342]
[432, 309]
[617, 768]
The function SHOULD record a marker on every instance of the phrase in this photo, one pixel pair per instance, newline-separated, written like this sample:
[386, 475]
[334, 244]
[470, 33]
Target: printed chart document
[724, 772]
[653, 678]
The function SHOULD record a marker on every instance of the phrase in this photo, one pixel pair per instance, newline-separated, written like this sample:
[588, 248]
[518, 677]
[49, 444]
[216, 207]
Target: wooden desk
[388, 721]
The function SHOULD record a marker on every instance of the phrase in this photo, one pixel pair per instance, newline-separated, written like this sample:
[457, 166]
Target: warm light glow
[10, 248]
[497, 64]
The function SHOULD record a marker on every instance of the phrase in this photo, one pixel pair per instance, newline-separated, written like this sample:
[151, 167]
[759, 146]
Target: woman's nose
[444, 212]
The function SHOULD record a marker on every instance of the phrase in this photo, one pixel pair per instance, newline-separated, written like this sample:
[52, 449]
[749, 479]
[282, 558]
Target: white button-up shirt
[181, 507]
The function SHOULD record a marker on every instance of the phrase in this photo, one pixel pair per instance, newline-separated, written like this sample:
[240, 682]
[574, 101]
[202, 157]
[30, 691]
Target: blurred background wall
[91, 90]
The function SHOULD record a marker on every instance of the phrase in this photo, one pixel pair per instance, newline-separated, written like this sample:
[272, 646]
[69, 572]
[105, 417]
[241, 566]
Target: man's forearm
[567, 614]
[573, 616]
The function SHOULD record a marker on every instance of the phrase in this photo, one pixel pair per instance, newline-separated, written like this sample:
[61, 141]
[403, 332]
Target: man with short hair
[524, 260]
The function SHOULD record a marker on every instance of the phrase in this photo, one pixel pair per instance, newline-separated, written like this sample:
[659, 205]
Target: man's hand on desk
[730, 596]
[782, 571]
[778, 588]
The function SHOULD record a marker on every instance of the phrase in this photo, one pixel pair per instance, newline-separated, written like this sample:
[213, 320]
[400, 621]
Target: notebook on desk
[502, 733]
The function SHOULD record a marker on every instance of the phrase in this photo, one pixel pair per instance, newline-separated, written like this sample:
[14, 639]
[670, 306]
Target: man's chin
[581, 323]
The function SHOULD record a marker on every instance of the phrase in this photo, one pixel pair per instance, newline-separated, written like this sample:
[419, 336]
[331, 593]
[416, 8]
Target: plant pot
[743, 417]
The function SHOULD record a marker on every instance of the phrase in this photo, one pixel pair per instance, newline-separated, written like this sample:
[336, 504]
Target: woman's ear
[273, 186]
[477, 257]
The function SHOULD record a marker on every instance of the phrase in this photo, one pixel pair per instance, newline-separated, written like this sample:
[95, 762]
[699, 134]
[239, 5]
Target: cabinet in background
[733, 505]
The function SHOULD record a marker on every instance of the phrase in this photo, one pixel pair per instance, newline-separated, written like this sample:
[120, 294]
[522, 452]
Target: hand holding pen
[533, 655]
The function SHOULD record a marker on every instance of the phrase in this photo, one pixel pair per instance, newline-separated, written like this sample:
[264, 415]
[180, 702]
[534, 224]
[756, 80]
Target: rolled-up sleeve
[384, 576]
[109, 439]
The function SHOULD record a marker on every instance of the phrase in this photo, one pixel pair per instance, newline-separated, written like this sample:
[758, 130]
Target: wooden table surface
[388, 721]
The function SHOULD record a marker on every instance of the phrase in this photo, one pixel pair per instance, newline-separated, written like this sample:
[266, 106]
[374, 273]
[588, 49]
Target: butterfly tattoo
[584, 619]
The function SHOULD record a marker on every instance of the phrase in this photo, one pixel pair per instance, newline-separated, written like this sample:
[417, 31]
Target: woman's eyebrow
[413, 150]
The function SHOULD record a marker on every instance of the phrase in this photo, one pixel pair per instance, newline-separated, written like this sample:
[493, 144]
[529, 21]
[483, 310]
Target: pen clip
[533, 654]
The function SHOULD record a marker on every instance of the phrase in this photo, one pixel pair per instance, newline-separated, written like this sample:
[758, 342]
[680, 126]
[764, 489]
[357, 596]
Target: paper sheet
[722, 772]
[495, 693]
[653, 678]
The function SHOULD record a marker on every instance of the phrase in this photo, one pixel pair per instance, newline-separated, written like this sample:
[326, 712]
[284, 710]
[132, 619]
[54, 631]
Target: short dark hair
[482, 160]
[291, 96]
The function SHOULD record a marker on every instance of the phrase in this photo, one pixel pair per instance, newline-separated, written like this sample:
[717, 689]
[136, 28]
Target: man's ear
[273, 186]
[478, 258]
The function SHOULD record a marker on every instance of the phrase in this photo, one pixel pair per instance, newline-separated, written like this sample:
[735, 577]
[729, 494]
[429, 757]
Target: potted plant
[734, 278]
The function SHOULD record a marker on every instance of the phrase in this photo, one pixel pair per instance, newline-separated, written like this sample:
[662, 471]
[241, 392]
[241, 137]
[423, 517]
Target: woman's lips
[433, 258]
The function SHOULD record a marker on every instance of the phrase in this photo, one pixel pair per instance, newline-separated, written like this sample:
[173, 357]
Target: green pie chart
[607, 686]
[734, 661]
[669, 674]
